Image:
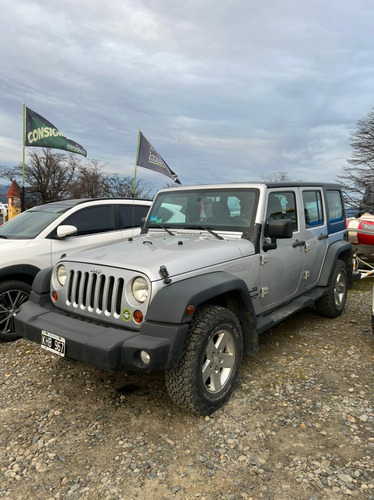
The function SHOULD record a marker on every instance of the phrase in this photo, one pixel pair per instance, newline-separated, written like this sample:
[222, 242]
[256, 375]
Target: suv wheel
[205, 377]
[332, 303]
[12, 295]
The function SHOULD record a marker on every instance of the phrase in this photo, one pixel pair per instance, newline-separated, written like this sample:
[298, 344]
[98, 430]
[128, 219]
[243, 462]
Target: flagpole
[136, 164]
[23, 158]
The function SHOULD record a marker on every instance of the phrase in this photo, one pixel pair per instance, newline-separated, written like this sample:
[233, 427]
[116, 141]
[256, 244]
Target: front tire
[333, 302]
[12, 294]
[205, 376]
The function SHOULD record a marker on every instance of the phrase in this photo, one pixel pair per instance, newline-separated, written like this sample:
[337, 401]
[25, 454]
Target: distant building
[14, 200]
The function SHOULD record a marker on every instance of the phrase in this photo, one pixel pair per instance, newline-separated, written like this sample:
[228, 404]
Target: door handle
[298, 243]
[323, 236]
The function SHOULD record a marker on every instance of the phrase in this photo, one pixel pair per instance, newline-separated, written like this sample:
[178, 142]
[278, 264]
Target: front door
[282, 268]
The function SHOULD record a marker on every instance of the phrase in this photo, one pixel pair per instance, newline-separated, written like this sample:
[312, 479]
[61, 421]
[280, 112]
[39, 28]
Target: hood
[180, 253]
[7, 245]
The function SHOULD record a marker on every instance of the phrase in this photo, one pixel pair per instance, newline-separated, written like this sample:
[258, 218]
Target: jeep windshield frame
[211, 209]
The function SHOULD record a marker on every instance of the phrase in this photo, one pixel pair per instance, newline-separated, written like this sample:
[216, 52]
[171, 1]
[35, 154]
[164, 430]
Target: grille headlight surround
[140, 289]
[61, 274]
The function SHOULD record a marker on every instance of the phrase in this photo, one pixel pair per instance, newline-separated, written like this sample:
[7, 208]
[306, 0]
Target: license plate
[53, 343]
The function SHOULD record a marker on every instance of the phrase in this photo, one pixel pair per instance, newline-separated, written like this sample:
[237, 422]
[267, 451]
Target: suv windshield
[219, 209]
[29, 224]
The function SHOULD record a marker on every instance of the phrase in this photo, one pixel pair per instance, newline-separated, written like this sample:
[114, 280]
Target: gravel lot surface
[299, 425]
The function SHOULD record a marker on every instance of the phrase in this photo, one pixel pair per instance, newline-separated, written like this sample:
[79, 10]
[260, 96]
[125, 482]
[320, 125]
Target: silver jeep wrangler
[214, 267]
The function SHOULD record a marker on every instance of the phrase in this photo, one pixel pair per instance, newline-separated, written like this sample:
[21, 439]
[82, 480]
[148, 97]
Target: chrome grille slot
[83, 291]
[91, 291]
[109, 294]
[117, 296]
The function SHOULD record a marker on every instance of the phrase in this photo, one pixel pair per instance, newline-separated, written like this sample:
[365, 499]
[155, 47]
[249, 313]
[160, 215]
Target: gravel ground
[299, 425]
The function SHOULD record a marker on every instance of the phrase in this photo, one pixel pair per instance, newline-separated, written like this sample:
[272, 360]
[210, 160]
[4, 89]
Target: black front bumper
[107, 348]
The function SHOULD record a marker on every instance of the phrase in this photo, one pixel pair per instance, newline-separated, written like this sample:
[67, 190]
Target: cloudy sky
[224, 90]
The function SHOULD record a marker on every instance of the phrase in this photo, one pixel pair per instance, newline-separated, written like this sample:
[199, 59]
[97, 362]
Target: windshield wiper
[156, 226]
[210, 230]
[5, 237]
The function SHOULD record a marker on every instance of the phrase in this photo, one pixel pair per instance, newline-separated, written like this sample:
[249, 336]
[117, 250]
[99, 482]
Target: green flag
[42, 134]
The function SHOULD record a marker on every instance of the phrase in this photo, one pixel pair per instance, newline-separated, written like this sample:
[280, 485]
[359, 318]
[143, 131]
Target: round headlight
[61, 275]
[140, 289]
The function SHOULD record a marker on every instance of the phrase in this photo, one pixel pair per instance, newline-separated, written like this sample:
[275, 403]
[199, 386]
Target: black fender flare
[41, 287]
[19, 270]
[333, 253]
[170, 303]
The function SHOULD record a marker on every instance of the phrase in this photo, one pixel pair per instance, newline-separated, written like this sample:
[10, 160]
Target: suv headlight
[140, 289]
[61, 275]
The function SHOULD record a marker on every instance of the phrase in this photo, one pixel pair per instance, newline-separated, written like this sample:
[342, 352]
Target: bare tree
[359, 174]
[277, 177]
[51, 176]
[91, 181]
[123, 187]
[48, 176]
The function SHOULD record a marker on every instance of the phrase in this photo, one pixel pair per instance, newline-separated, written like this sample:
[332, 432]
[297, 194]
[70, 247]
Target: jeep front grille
[93, 292]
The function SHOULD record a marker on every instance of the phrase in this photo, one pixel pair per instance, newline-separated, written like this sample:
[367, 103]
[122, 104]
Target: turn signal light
[190, 309]
[54, 296]
[138, 316]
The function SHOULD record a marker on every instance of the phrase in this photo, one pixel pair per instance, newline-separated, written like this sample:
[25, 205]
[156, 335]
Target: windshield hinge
[165, 275]
[263, 259]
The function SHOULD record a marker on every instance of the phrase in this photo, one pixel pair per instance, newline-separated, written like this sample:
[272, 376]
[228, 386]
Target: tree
[91, 181]
[48, 175]
[360, 172]
[277, 177]
[51, 176]
[123, 187]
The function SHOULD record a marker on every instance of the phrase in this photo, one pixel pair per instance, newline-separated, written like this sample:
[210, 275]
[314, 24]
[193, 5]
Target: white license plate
[53, 343]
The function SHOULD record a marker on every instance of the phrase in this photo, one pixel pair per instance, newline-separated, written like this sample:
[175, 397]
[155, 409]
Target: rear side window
[92, 220]
[335, 207]
[131, 215]
[312, 208]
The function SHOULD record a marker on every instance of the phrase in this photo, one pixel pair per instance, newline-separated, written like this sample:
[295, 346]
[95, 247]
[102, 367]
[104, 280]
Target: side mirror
[277, 229]
[64, 231]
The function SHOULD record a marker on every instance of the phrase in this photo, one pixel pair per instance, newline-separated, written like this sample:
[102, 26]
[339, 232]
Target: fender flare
[333, 253]
[170, 303]
[17, 270]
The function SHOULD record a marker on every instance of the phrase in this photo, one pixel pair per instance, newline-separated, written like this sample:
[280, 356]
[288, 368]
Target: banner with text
[148, 157]
[41, 133]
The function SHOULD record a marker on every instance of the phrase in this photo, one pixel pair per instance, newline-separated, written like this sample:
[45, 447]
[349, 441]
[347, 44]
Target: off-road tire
[205, 376]
[12, 294]
[332, 303]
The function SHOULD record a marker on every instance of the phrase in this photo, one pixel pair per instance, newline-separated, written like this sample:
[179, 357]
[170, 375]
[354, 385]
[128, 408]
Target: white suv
[39, 237]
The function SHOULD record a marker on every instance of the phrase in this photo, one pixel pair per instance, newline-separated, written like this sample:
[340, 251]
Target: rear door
[316, 234]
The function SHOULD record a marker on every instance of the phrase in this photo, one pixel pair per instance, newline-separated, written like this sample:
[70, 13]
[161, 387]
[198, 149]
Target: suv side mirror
[277, 229]
[65, 230]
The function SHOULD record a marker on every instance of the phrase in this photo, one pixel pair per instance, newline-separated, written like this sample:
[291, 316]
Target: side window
[312, 208]
[282, 205]
[92, 220]
[335, 206]
[131, 215]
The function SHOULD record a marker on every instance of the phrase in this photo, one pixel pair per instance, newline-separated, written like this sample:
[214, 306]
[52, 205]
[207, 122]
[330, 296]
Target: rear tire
[12, 294]
[205, 376]
[332, 303]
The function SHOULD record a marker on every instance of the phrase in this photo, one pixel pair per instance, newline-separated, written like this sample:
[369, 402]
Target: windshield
[218, 209]
[29, 224]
